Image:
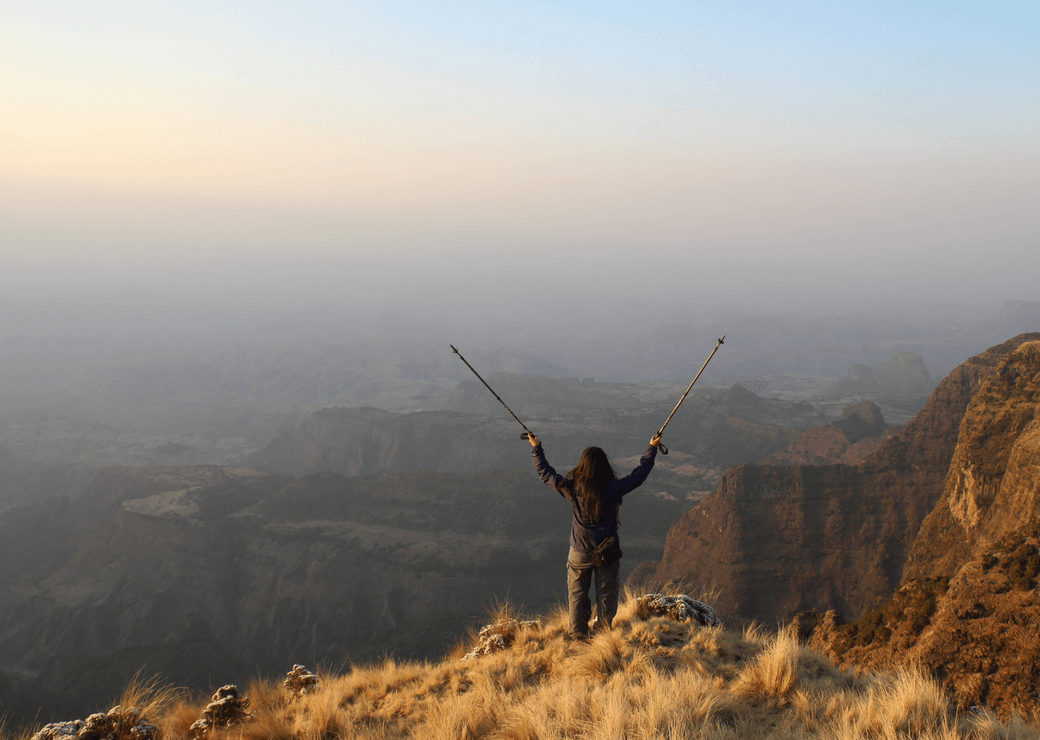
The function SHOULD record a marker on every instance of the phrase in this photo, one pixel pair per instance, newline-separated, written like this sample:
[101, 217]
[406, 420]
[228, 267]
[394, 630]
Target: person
[594, 492]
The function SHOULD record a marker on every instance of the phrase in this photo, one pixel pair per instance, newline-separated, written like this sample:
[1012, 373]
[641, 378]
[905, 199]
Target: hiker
[595, 493]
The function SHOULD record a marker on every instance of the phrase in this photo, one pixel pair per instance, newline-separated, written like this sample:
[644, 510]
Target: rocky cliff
[969, 606]
[993, 484]
[778, 540]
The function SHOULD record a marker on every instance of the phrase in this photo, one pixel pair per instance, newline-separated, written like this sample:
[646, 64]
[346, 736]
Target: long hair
[589, 480]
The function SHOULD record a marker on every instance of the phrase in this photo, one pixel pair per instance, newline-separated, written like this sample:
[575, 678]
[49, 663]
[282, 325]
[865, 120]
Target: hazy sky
[774, 153]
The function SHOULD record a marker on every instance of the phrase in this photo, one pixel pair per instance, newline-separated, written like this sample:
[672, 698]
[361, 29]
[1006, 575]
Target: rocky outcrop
[226, 708]
[119, 723]
[498, 636]
[299, 682]
[678, 607]
[969, 606]
[780, 540]
[993, 484]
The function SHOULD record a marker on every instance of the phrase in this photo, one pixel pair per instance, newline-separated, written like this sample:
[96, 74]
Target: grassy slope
[650, 677]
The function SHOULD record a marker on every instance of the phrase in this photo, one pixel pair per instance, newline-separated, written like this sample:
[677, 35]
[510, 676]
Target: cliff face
[779, 540]
[993, 485]
[268, 571]
[969, 606]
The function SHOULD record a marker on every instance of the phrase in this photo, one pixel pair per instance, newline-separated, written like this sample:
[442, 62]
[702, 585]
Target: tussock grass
[648, 678]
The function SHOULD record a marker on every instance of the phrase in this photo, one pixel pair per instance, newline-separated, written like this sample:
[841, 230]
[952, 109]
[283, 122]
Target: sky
[567, 158]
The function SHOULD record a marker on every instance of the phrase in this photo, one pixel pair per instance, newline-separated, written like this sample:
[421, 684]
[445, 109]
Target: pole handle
[662, 449]
[524, 435]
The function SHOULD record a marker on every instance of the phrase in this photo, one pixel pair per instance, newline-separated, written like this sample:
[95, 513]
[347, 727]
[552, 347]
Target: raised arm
[545, 471]
[635, 479]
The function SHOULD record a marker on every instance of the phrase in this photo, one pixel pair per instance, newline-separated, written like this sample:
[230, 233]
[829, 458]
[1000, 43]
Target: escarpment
[968, 609]
[993, 484]
[780, 540]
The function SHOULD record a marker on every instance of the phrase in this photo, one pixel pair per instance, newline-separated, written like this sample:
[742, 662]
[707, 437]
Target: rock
[976, 632]
[60, 731]
[227, 708]
[679, 607]
[993, 484]
[497, 636]
[299, 681]
[120, 723]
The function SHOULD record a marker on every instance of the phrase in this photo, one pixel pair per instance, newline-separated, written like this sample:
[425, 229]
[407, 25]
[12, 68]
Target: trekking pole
[526, 430]
[661, 447]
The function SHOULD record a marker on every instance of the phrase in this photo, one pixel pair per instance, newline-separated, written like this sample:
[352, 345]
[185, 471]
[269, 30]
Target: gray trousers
[579, 578]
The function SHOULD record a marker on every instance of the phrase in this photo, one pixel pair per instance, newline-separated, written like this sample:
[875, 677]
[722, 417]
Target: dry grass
[646, 679]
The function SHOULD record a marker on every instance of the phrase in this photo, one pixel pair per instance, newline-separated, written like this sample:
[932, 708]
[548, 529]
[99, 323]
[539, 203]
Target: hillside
[655, 675]
[780, 540]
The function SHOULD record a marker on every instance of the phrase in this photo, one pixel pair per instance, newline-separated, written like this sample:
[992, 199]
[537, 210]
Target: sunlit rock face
[993, 484]
[779, 540]
[968, 609]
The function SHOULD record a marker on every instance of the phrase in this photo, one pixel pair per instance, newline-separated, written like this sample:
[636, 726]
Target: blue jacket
[586, 534]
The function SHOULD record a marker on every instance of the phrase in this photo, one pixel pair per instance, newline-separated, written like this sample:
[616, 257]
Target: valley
[244, 513]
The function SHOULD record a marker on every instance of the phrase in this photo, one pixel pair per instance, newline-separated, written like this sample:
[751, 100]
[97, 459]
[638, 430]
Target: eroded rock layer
[993, 484]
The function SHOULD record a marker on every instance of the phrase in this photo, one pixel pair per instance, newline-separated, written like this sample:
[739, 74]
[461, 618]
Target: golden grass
[644, 680]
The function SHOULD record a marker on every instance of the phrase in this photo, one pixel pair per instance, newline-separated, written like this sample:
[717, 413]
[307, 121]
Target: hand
[533, 439]
[655, 440]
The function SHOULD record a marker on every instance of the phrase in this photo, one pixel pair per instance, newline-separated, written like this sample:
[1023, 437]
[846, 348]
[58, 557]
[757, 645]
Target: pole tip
[453, 348]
